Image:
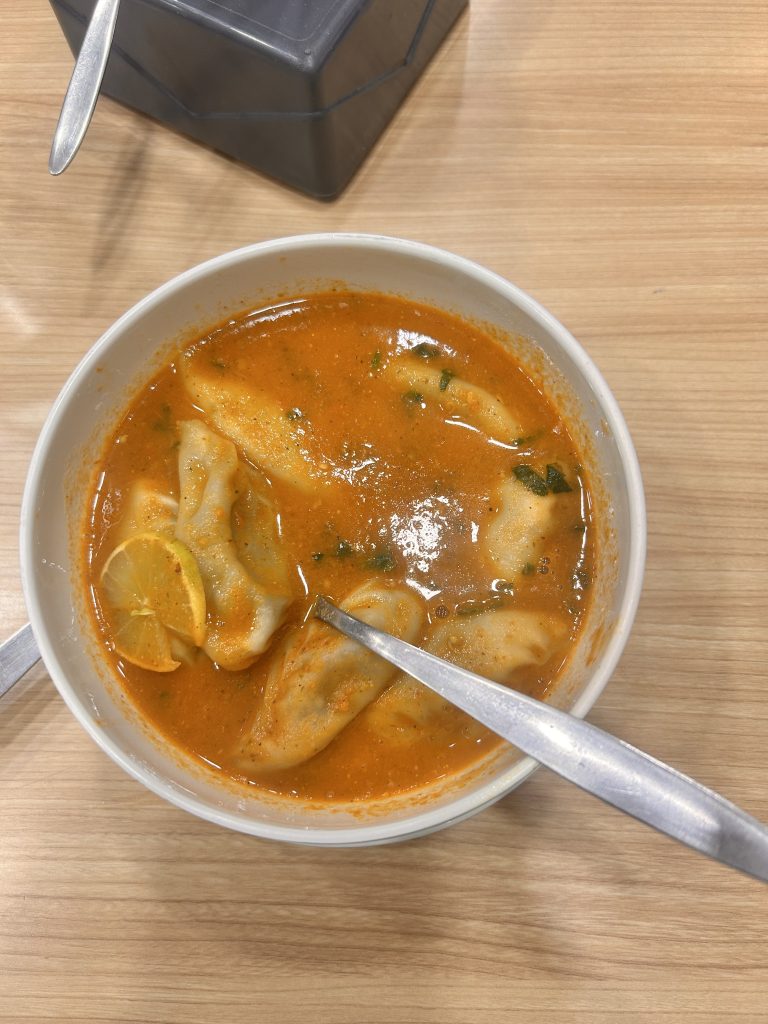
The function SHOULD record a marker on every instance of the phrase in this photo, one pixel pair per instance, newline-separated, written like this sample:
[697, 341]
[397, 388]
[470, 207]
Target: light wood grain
[610, 157]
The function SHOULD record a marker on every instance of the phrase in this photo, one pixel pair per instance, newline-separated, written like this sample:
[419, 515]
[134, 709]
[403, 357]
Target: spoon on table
[17, 656]
[599, 763]
[83, 89]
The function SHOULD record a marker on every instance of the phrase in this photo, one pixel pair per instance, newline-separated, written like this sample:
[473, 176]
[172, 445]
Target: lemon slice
[154, 594]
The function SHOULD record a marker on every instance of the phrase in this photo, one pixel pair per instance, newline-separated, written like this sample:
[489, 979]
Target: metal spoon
[17, 656]
[601, 764]
[83, 89]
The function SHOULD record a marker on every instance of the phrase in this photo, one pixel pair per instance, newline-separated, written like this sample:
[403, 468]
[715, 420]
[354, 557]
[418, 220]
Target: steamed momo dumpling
[148, 510]
[492, 644]
[253, 420]
[255, 534]
[518, 530]
[321, 679]
[242, 613]
[495, 643]
[473, 404]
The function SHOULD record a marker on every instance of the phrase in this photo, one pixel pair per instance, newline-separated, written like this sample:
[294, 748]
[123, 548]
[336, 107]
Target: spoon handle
[84, 85]
[17, 656]
[599, 763]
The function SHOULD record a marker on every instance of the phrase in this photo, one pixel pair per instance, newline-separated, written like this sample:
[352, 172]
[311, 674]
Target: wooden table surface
[611, 158]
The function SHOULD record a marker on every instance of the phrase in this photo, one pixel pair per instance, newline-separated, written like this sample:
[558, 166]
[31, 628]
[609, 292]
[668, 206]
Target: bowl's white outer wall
[122, 360]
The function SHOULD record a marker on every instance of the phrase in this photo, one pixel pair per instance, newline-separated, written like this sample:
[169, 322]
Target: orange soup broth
[396, 480]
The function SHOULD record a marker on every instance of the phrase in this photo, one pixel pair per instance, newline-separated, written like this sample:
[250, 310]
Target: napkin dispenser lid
[300, 89]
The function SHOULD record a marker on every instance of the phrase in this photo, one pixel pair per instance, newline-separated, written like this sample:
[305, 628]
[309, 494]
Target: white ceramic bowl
[87, 410]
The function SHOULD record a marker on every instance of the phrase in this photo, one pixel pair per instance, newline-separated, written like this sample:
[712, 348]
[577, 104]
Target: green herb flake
[413, 398]
[556, 482]
[445, 379]
[343, 549]
[478, 607]
[165, 421]
[383, 561]
[528, 569]
[294, 414]
[425, 351]
[529, 478]
[219, 364]
[376, 361]
[526, 440]
[318, 556]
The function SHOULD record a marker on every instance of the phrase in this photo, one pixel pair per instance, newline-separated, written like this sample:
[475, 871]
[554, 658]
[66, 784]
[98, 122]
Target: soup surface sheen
[381, 452]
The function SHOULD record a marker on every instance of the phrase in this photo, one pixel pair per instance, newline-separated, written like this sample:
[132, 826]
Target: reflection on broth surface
[382, 452]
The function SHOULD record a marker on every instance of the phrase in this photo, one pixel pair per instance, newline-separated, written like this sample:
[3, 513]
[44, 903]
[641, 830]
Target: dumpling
[321, 680]
[147, 510]
[254, 529]
[476, 406]
[516, 534]
[242, 613]
[492, 644]
[495, 643]
[254, 421]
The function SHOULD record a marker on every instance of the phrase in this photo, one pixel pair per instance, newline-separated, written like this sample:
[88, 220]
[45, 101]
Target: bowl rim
[422, 821]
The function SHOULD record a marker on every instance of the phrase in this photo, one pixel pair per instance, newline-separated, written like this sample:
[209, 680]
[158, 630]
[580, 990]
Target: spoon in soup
[596, 761]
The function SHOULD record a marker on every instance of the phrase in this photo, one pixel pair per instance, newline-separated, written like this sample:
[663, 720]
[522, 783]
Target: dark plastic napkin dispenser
[300, 89]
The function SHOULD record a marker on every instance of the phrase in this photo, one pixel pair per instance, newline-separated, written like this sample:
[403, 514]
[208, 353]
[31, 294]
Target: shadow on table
[122, 185]
[25, 703]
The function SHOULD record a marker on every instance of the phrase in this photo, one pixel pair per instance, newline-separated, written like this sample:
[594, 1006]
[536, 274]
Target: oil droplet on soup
[384, 453]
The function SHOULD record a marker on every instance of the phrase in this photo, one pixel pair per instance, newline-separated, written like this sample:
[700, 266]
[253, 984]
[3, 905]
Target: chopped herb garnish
[412, 398]
[526, 440]
[376, 361]
[165, 422]
[528, 569]
[219, 364]
[343, 549]
[478, 607]
[318, 556]
[294, 414]
[445, 379]
[556, 482]
[529, 478]
[383, 561]
[425, 351]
